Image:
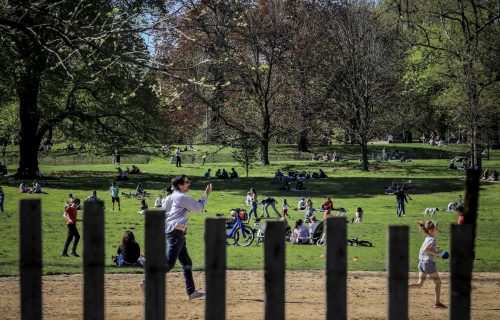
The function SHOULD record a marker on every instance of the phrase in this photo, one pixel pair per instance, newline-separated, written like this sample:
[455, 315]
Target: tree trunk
[364, 156]
[265, 137]
[303, 142]
[473, 108]
[27, 91]
[264, 151]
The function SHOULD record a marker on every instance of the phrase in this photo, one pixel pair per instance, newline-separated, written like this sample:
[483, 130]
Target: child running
[427, 255]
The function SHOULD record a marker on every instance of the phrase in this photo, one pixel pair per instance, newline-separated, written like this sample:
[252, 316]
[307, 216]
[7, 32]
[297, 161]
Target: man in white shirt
[177, 207]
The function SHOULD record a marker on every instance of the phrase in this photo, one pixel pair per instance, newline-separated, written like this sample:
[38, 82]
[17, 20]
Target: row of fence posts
[215, 267]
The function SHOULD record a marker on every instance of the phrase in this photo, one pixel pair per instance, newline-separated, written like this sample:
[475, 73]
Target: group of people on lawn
[303, 205]
[221, 174]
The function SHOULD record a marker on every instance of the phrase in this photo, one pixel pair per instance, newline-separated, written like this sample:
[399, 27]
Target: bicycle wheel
[350, 242]
[364, 243]
[245, 236]
[233, 239]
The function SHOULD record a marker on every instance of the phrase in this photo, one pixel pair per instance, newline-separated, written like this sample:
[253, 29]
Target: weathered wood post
[30, 264]
[397, 268]
[155, 265]
[274, 270]
[93, 260]
[215, 268]
[461, 271]
[336, 268]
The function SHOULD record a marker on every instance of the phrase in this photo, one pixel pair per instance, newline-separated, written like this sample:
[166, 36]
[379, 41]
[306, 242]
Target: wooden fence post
[336, 268]
[397, 267]
[274, 270]
[461, 270]
[30, 232]
[215, 268]
[93, 260]
[155, 265]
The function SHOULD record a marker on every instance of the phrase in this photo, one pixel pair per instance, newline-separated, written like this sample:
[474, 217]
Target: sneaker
[74, 254]
[142, 284]
[64, 254]
[439, 305]
[196, 295]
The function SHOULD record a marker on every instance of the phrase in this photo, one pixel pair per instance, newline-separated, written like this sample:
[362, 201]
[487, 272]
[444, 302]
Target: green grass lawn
[347, 185]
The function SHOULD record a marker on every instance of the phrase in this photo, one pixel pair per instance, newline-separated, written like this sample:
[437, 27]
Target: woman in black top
[129, 250]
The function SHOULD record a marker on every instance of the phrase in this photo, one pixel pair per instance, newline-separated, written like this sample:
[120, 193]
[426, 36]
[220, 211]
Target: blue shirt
[176, 208]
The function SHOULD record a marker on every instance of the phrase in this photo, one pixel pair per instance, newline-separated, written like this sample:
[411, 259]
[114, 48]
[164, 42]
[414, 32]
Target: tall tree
[361, 63]
[233, 57]
[459, 32]
[67, 52]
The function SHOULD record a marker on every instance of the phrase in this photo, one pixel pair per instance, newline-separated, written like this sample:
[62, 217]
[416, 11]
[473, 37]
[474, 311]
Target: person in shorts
[427, 264]
[114, 191]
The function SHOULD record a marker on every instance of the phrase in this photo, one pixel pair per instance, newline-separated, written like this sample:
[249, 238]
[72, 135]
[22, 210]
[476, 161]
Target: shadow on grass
[345, 187]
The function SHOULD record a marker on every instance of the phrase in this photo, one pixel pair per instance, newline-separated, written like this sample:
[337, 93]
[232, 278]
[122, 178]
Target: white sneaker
[143, 285]
[196, 295]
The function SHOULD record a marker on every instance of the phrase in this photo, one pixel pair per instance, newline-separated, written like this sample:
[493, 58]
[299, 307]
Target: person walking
[178, 157]
[177, 207]
[253, 203]
[114, 191]
[427, 264]
[401, 198]
[71, 215]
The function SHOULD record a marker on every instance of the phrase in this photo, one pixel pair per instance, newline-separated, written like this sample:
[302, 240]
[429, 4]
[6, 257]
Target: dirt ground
[305, 296]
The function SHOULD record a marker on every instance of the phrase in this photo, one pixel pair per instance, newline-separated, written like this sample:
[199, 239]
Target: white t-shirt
[424, 256]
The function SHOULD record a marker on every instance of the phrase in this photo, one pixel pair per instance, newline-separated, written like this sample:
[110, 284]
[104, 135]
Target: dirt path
[305, 296]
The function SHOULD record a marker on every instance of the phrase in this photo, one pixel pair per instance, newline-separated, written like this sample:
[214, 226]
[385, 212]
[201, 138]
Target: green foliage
[246, 152]
[348, 187]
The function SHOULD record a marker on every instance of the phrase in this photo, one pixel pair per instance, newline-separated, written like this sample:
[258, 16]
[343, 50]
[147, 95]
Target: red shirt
[327, 204]
[71, 215]
[460, 219]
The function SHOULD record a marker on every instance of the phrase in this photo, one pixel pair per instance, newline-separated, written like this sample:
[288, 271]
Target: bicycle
[240, 234]
[360, 243]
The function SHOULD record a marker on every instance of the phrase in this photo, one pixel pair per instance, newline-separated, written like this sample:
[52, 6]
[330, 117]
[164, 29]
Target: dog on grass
[431, 212]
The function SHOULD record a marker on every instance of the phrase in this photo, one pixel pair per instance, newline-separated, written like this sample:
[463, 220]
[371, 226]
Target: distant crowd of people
[221, 174]
[433, 139]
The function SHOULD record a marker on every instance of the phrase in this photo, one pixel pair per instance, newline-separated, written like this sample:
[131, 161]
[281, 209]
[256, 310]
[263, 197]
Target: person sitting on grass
[493, 177]
[309, 210]
[207, 174]
[322, 174]
[143, 207]
[135, 170]
[327, 205]
[359, 215]
[233, 174]
[23, 188]
[139, 190]
[158, 201]
[302, 204]
[300, 233]
[37, 187]
[129, 252]
[92, 197]
[313, 225]
[224, 174]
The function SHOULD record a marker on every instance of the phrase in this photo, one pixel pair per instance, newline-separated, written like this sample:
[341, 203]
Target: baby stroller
[317, 233]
